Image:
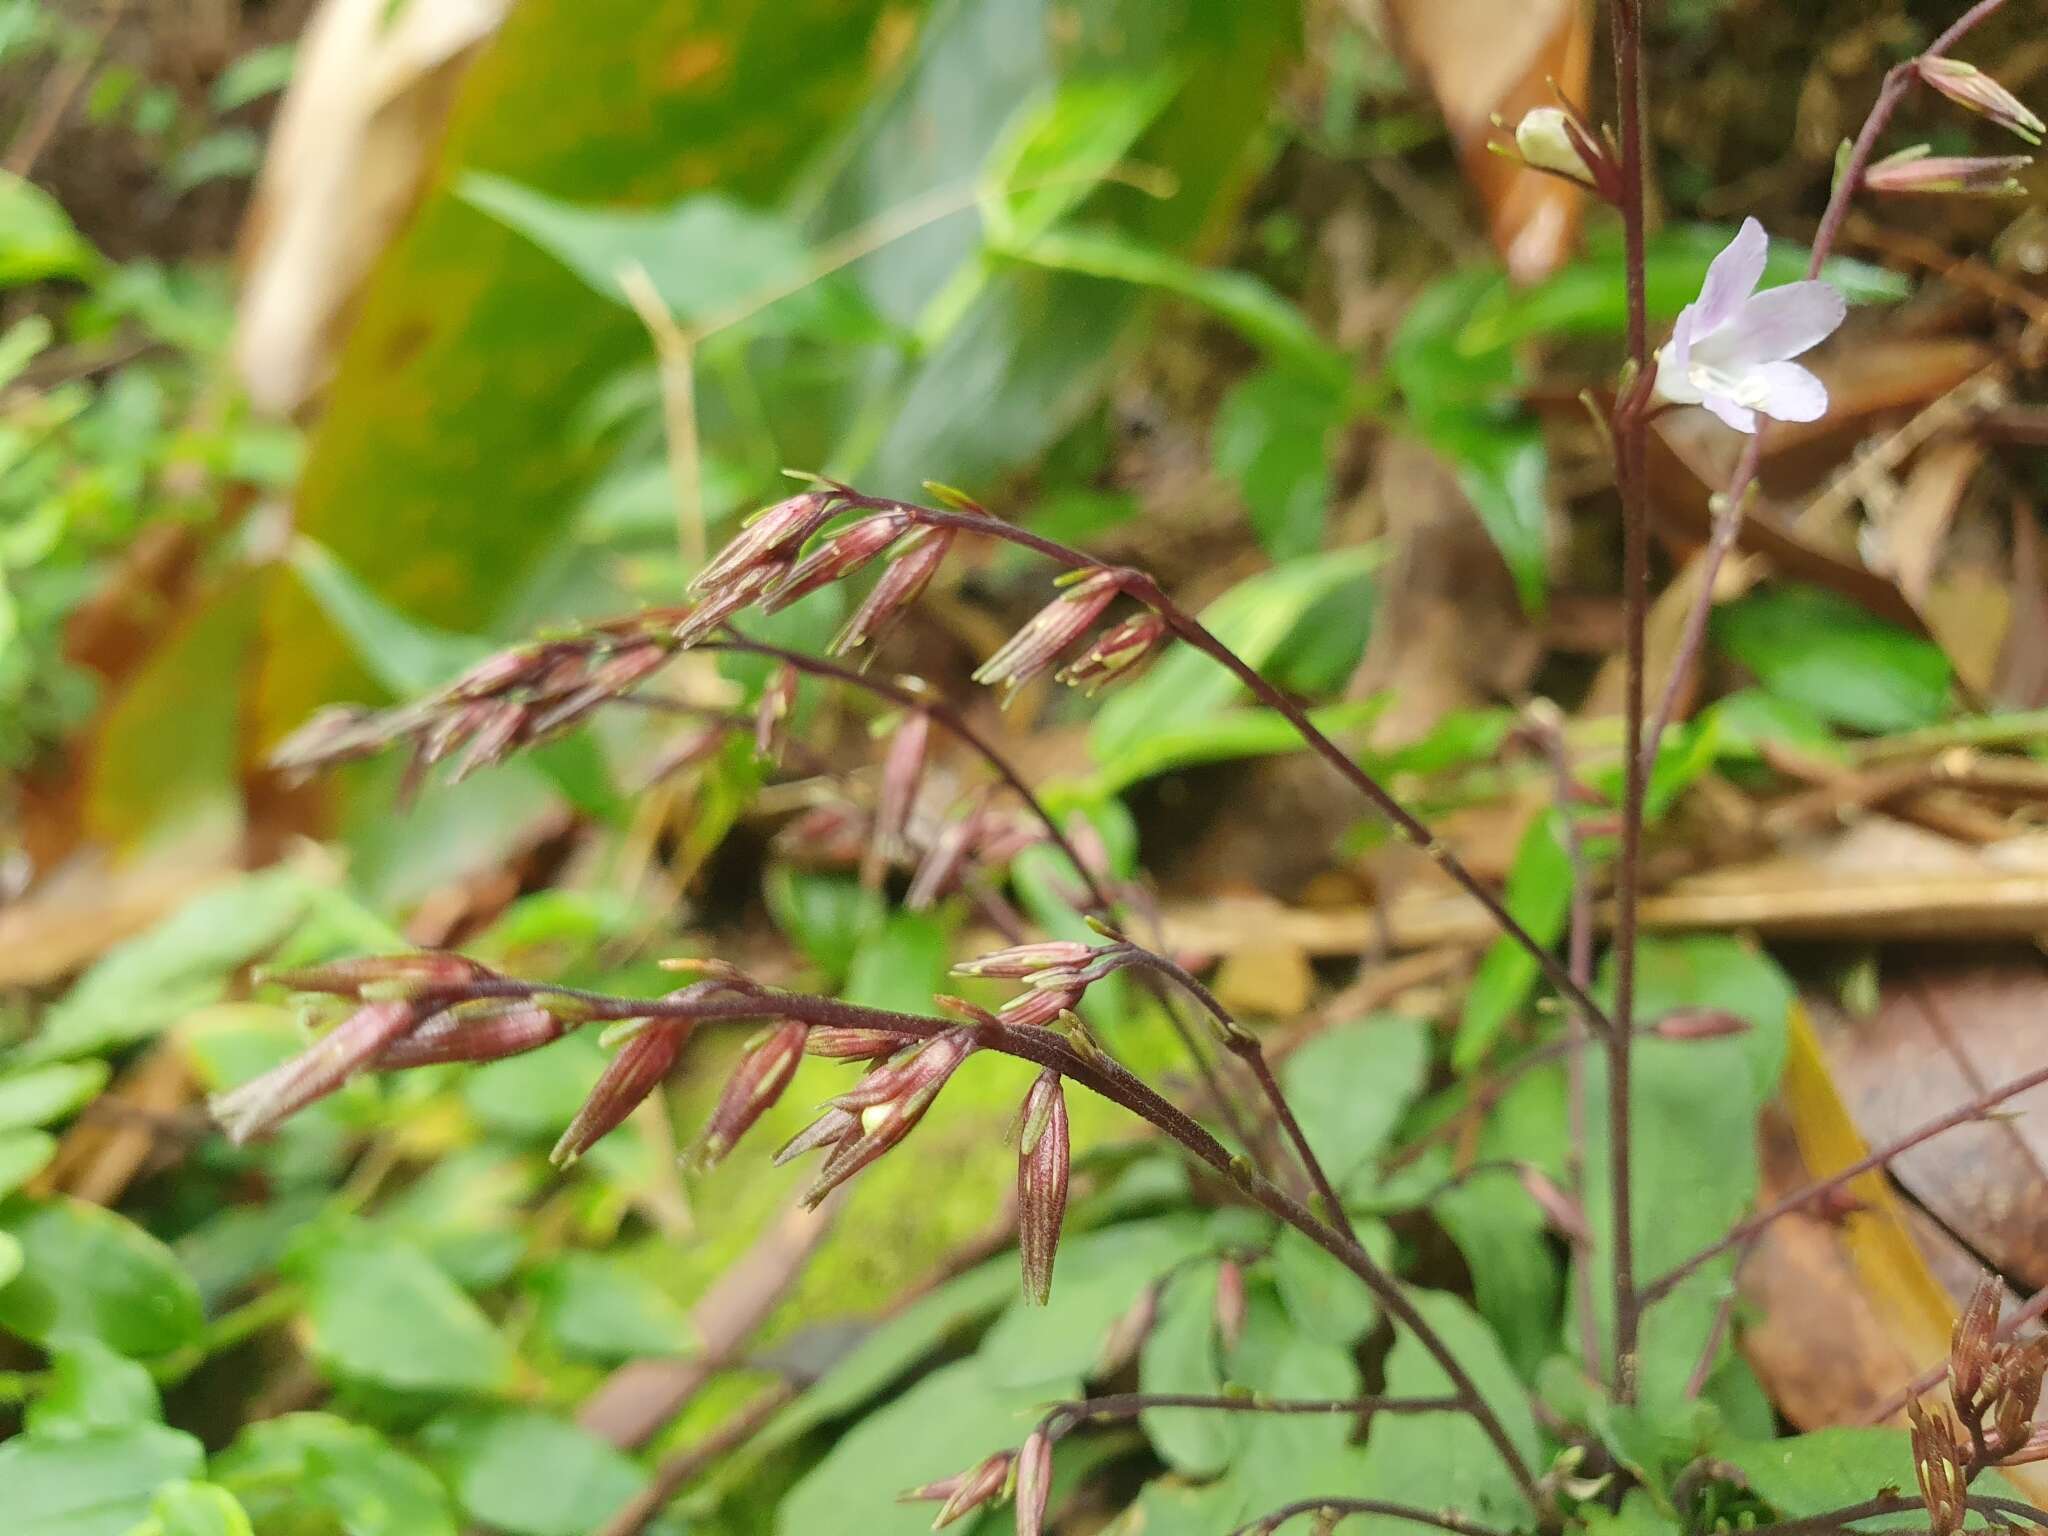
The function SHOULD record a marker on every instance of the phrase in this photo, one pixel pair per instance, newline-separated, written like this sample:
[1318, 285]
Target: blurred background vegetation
[506, 311]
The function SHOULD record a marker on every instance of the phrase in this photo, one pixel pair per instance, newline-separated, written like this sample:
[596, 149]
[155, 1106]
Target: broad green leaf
[946, 1423]
[1055, 151]
[892, 1348]
[901, 965]
[1100, 1275]
[1185, 689]
[468, 1214]
[1271, 437]
[405, 656]
[1182, 1354]
[1824, 653]
[37, 238]
[89, 1273]
[1284, 1457]
[187, 1508]
[599, 1309]
[1170, 1506]
[316, 1472]
[1241, 300]
[1503, 467]
[1744, 722]
[1808, 1474]
[90, 1485]
[1695, 1168]
[533, 1474]
[1324, 1299]
[1507, 1246]
[91, 1389]
[1440, 1460]
[38, 1095]
[826, 915]
[381, 1313]
[141, 985]
[23, 1154]
[1539, 897]
[1235, 734]
[1350, 1086]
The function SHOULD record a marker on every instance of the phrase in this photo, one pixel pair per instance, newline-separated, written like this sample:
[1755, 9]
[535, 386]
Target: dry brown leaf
[1913, 533]
[346, 160]
[1532, 218]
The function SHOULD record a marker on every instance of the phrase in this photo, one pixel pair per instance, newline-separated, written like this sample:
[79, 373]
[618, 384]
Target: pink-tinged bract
[1043, 1152]
[634, 1072]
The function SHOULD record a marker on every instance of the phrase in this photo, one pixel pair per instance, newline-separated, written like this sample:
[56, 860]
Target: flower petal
[1780, 323]
[1785, 392]
[1732, 278]
[1674, 377]
[1740, 417]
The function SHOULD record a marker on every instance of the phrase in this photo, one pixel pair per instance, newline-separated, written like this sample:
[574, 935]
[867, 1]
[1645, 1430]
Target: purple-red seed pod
[900, 585]
[353, 1044]
[914, 1083]
[1968, 86]
[1022, 961]
[1230, 1303]
[708, 616]
[1034, 1482]
[389, 976]
[840, 1043]
[630, 1076]
[764, 1070]
[506, 1029]
[1699, 1024]
[902, 767]
[772, 713]
[1117, 652]
[1048, 634]
[839, 557]
[1042, 1156]
[964, 1492]
[771, 536]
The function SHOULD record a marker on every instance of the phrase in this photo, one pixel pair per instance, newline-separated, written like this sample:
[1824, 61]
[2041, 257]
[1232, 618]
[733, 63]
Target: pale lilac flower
[1731, 349]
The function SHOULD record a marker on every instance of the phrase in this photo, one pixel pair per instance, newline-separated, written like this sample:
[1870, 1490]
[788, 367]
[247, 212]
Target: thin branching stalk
[1443, 1519]
[1128, 1405]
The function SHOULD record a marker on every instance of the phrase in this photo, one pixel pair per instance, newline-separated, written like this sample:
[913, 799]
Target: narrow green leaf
[1350, 1086]
[1539, 897]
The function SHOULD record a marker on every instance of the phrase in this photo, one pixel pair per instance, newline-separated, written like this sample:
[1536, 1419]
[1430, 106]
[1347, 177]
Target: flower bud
[1560, 1209]
[356, 1042]
[1968, 86]
[634, 1072]
[1049, 632]
[1040, 1007]
[902, 767]
[1916, 171]
[1034, 1482]
[504, 728]
[710, 615]
[835, 1125]
[1940, 1466]
[905, 579]
[964, 1492]
[425, 970]
[1042, 1157]
[1022, 961]
[1699, 1024]
[1230, 1303]
[770, 715]
[514, 668]
[337, 734]
[1970, 1347]
[1116, 653]
[891, 1107]
[846, 1044]
[840, 556]
[1550, 141]
[764, 1070]
[460, 1034]
[770, 538]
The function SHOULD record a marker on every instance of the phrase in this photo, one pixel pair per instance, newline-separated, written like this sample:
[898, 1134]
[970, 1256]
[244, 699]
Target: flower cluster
[1994, 1385]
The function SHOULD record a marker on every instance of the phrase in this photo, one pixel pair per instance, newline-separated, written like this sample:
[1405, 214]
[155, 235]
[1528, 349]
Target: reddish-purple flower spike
[772, 713]
[1034, 1482]
[914, 1084]
[900, 585]
[1968, 86]
[964, 1492]
[832, 1127]
[842, 555]
[1040, 1006]
[764, 1070]
[771, 537]
[1042, 1155]
[902, 767]
[500, 732]
[1048, 634]
[945, 860]
[708, 616]
[1230, 1303]
[615, 675]
[1020, 962]
[1117, 652]
[505, 1029]
[840, 1043]
[634, 1072]
[353, 1044]
[516, 668]
[388, 976]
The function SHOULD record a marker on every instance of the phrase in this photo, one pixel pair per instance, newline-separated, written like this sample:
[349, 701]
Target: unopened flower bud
[838, 1043]
[353, 1044]
[1034, 1482]
[464, 1035]
[778, 699]
[902, 768]
[1940, 1466]
[964, 1492]
[634, 1072]
[421, 971]
[839, 557]
[494, 674]
[1042, 1156]
[764, 1070]
[1048, 634]
[870, 1120]
[1230, 1303]
[1916, 170]
[731, 596]
[1699, 1024]
[900, 586]
[1118, 652]
[945, 861]
[1970, 87]
[1021, 961]
[832, 1126]
[1040, 1007]
[770, 539]
[1549, 140]
[1971, 1344]
[1560, 1209]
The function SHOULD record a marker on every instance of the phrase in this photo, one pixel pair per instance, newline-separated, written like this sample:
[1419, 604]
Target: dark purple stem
[1442, 1519]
